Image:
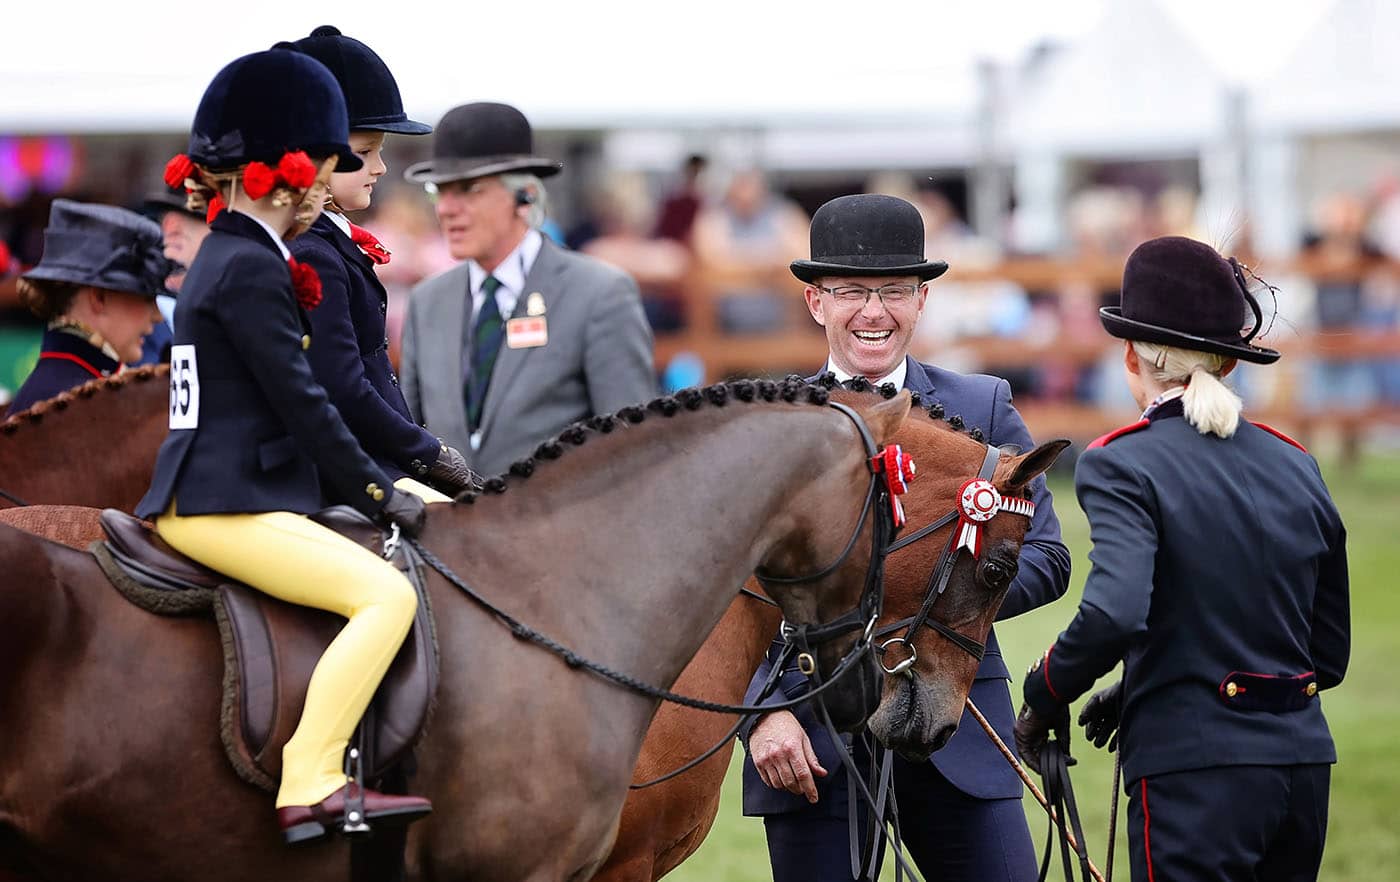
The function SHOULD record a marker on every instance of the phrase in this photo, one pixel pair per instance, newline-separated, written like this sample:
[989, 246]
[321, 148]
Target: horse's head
[954, 595]
[819, 573]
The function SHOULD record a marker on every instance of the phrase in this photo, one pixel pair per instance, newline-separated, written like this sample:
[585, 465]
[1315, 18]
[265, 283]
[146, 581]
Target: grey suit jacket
[598, 358]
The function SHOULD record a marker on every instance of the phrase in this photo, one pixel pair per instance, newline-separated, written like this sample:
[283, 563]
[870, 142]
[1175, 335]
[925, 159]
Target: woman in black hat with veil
[1219, 578]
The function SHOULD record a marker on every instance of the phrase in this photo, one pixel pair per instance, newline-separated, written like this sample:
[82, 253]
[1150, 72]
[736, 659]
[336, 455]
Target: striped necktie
[487, 334]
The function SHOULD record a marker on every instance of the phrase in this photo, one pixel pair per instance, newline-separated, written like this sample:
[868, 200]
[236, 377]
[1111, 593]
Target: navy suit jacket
[267, 434]
[65, 360]
[1211, 556]
[970, 761]
[350, 357]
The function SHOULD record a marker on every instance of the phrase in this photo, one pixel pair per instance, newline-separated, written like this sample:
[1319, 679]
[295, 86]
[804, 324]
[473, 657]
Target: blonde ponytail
[1209, 404]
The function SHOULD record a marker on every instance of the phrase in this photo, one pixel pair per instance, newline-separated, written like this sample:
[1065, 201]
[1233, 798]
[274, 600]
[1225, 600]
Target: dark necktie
[487, 334]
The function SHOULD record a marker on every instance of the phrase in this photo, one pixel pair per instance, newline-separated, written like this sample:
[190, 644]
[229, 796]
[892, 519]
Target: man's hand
[783, 755]
[450, 473]
[1100, 716]
[1032, 731]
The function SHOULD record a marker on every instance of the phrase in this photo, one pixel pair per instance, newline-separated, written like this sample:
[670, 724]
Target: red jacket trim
[1282, 437]
[68, 356]
[1045, 667]
[1118, 433]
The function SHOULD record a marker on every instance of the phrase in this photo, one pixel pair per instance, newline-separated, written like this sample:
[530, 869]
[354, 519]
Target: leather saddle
[271, 647]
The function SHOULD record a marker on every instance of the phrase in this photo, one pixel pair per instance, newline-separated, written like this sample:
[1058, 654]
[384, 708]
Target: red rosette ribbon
[306, 284]
[898, 469]
[216, 205]
[370, 245]
[177, 170]
[296, 170]
[978, 502]
[258, 180]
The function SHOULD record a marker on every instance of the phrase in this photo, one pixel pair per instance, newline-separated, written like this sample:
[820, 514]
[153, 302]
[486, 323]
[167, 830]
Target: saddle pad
[270, 649]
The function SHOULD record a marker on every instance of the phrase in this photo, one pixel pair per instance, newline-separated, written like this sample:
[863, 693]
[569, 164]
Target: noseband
[889, 470]
[979, 502]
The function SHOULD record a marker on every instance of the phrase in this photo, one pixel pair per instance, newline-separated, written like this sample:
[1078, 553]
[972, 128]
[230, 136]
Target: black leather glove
[1100, 716]
[450, 473]
[406, 510]
[1032, 731]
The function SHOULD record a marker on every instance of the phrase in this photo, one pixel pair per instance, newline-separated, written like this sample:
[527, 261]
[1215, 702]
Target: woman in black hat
[253, 435]
[1219, 578]
[351, 355]
[96, 286]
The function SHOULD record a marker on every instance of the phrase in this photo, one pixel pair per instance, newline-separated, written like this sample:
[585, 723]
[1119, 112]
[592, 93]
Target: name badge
[527, 332]
[184, 387]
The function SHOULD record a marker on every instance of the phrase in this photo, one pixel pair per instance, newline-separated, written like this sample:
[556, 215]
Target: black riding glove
[1100, 716]
[1032, 731]
[406, 510]
[450, 473]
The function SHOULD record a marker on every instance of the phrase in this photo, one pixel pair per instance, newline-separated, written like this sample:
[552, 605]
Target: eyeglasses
[890, 295]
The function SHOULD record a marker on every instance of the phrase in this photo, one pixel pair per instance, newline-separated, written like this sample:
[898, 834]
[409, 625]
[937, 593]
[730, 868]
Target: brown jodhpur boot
[303, 823]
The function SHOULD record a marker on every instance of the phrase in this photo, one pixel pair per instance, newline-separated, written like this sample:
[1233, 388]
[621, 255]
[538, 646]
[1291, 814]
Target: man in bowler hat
[960, 812]
[522, 338]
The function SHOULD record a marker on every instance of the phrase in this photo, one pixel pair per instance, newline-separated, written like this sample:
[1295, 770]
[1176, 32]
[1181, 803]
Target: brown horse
[665, 824]
[94, 445]
[627, 550]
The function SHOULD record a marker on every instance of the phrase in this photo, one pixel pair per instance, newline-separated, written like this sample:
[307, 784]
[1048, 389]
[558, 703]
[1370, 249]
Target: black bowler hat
[165, 199]
[264, 105]
[371, 95]
[867, 235]
[105, 247]
[476, 140]
[1180, 292]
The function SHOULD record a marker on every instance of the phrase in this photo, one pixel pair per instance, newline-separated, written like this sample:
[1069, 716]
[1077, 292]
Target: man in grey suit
[522, 338]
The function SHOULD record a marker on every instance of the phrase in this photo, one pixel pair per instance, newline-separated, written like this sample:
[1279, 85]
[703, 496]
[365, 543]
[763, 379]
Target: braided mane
[932, 409]
[36, 413]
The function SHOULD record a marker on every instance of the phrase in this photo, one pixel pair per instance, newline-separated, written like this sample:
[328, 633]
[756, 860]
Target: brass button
[371, 489]
[1311, 690]
[1231, 689]
[305, 341]
[378, 495]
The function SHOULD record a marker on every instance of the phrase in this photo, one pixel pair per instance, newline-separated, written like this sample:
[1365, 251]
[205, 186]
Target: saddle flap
[131, 538]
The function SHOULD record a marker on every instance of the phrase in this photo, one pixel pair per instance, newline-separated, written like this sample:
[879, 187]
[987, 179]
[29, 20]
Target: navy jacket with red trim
[65, 360]
[1211, 557]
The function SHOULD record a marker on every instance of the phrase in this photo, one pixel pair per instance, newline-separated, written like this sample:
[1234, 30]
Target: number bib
[184, 388]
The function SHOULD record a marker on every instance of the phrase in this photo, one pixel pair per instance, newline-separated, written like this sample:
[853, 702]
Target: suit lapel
[916, 379]
[444, 318]
[510, 363]
[350, 251]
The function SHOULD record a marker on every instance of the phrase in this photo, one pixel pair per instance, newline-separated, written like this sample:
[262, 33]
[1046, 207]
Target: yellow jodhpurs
[294, 559]
[422, 491]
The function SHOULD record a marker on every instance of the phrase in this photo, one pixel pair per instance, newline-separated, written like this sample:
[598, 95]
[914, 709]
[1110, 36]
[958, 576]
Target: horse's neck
[631, 552]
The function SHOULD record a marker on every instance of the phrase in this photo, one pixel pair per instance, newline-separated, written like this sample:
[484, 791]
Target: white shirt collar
[281, 246]
[895, 376]
[511, 274]
[341, 222]
[1171, 394]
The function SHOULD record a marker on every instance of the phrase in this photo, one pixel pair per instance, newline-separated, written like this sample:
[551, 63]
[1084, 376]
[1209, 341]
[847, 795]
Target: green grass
[1364, 712]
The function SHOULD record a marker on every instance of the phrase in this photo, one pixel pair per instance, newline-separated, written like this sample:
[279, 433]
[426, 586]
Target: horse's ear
[885, 418]
[1028, 465]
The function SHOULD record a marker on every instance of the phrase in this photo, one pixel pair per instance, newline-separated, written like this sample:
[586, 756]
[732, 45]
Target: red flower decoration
[258, 180]
[297, 170]
[177, 169]
[306, 284]
[216, 205]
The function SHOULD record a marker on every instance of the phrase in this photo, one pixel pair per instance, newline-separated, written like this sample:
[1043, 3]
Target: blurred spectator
[183, 231]
[676, 219]
[744, 245]
[626, 217]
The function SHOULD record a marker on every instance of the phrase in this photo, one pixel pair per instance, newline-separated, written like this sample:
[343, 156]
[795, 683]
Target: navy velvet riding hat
[1180, 292]
[105, 247]
[264, 105]
[371, 95]
[476, 140]
[867, 235]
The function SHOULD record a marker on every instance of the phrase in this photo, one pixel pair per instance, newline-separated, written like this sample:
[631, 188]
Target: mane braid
[792, 389]
[933, 410]
[37, 411]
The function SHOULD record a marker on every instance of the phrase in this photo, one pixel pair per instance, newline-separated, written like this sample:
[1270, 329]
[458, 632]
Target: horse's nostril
[943, 735]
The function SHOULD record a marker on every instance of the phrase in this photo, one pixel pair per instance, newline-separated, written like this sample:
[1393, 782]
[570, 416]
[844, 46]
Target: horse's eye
[996, 574]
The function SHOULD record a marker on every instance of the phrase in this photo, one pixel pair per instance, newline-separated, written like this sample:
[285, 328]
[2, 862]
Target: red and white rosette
[978, 502]
[899, 469]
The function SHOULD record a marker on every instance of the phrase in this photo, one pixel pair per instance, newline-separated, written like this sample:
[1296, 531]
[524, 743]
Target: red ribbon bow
[371, 246]
[306, 284]
[294, 170]
[898, 469]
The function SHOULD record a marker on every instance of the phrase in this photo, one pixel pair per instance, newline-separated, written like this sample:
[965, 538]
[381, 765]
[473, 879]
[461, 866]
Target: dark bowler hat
[264, 105]
[371, 95]
[165, 199]
[1180, 292]
[867, 235]
[476, 140]
[105, 247]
